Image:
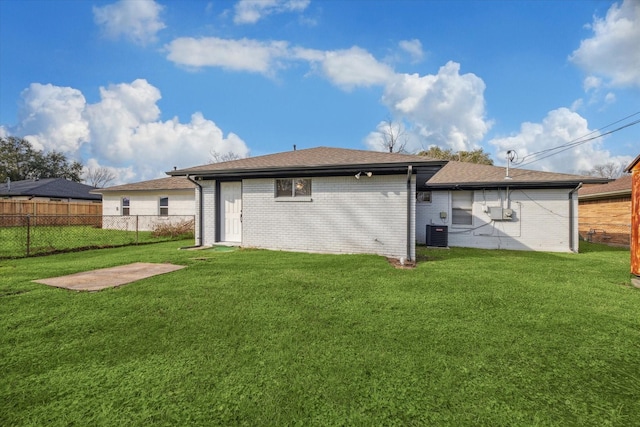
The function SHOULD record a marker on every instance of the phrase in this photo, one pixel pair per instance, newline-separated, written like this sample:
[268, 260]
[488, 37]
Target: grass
[251, 337]
[47, 239]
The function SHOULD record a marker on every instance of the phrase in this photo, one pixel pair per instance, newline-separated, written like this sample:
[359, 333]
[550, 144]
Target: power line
[578, 141]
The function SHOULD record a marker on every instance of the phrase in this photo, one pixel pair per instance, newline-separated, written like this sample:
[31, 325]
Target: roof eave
[606, 195]
[502, 184]
[380, 168]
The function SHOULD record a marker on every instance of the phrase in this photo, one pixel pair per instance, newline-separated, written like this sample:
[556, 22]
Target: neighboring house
[351, 201]
[605, 212]
[482, 207]
[143, 203]
[48, 190]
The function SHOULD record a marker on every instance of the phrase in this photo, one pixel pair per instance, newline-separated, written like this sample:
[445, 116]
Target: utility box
[437, 235]
[500, 214]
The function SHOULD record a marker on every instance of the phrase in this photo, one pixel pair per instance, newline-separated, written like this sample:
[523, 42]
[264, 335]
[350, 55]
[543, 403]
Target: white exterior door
[231, 211]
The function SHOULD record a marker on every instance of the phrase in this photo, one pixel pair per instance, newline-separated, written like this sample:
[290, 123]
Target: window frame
[459, 206]
[126, 206]
[424, 196]
[280, 189]
[161, 207]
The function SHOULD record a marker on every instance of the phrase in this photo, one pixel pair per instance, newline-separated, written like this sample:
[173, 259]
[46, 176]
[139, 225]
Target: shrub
[183, 229]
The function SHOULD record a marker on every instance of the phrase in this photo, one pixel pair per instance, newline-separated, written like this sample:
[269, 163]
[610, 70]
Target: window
[125, 205]
[164, 206]
[423, 196]
[461, 204]
[295, 187]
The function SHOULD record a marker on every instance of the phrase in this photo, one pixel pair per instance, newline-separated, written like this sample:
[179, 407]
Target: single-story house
[491, 207]
[48, 190]
[170, 199]
[337, 200]
[605, 212]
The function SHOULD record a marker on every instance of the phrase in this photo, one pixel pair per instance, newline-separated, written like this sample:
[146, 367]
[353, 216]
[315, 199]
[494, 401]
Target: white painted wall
[540, 220]
[146, 204]
[181, 202]
[343, 215]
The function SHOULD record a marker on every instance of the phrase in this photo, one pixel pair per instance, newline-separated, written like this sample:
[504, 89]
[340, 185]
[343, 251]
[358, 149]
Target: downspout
[409, 173]
[200, 237]
[572, 219]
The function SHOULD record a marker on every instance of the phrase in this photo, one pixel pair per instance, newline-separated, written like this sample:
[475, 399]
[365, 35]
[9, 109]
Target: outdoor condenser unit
[437, 235]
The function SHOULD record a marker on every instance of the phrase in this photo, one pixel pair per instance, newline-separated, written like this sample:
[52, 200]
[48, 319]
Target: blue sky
[141, 86]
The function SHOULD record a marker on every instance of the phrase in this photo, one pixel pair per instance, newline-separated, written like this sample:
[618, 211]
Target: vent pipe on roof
[294, 147]
[511, 154]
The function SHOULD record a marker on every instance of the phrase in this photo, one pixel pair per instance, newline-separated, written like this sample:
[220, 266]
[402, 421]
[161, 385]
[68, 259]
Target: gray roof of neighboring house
[170, 183]
[617, 188]
[57, 188]
[472, 175]
[310, 160]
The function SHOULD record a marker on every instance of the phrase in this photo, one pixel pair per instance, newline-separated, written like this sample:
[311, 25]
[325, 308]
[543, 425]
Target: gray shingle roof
[307, 158]
[58, 188]
[619, 187]
[170, 183]
[472, 174]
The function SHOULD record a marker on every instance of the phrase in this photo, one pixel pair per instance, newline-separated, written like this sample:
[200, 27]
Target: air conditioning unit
[500, 214]
[437, 235]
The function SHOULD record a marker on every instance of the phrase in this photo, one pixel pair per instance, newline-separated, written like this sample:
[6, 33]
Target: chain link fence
[30, 235]
[614, 234]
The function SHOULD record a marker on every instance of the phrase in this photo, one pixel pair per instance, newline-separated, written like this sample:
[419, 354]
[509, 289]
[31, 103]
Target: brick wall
[344, 215]
[606, 221]
[540, 220]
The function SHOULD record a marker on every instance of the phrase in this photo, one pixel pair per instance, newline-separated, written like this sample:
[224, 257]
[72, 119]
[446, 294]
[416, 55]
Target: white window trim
[458, 225]
[123, 207]
[160, 207]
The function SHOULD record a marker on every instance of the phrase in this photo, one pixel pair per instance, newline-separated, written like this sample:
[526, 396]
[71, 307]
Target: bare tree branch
[99, 177]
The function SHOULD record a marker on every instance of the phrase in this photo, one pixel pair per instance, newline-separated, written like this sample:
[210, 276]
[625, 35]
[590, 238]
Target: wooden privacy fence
[11, 212]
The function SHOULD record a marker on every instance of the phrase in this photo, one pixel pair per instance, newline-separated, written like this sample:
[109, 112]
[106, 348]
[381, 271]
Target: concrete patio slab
[96, 280]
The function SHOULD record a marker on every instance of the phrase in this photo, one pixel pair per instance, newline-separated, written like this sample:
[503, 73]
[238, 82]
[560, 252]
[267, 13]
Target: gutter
[572, 218]
[409, 174]
[200, 237]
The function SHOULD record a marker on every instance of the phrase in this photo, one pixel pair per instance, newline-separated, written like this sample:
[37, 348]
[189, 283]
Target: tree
[99, 177]
[475, 156]
[217, 157]
[394, 136]
[609, 170]
[19, 161]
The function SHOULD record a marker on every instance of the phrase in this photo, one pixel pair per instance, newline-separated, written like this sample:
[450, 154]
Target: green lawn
[258, 338]
[47, 239]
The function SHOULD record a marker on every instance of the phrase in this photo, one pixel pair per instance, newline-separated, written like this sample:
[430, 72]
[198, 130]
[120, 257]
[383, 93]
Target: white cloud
[559, 128]
[137, 20]
[413, 48]
[349, 68]
[446, 109]
[122, 131]
[51, 117]
[613, 52]
[251, 11]
[239, 55]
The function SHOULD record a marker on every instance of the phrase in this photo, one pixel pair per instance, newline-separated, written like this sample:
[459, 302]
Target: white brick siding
[540, 220]
[344, 215]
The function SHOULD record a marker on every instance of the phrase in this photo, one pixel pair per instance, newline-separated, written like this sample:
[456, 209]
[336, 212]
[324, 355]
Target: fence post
[28, 234]
[137, 220]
